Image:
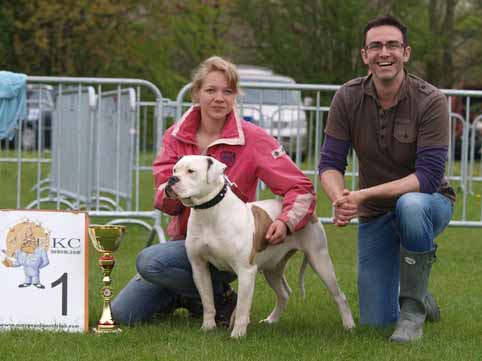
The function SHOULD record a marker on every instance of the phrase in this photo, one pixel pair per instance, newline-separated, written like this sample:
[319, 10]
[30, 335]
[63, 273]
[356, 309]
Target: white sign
[43, 270]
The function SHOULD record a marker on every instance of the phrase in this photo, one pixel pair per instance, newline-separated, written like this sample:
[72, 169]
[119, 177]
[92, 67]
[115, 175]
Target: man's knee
[412, 205]
[415, 222]
[413, 211]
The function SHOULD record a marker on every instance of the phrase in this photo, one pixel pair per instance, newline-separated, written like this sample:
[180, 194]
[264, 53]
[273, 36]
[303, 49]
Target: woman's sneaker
[225, 306]
[193, 305]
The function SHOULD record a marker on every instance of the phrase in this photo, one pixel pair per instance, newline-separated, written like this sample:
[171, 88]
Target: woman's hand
[277, 232]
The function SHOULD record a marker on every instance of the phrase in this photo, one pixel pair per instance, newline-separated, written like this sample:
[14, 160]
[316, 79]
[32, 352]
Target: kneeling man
[398, 125]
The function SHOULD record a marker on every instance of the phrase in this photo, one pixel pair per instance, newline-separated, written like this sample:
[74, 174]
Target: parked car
[40, 109]
[279, 111]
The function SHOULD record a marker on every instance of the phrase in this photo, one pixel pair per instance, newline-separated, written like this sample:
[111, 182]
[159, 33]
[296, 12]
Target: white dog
[230, 234]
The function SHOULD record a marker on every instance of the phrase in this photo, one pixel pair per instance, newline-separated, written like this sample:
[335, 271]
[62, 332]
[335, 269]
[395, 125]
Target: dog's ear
[214, 169]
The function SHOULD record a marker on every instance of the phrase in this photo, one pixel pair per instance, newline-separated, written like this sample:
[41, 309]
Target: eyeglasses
[391, 46]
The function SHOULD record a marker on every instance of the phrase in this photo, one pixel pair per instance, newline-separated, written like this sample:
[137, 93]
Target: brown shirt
[386, 141]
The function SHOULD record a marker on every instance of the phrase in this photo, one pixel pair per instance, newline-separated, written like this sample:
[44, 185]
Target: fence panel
[115, 144]
[71, 129]
[98, 157]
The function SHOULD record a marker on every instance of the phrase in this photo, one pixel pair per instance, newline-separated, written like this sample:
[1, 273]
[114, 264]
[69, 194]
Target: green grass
[310, 329]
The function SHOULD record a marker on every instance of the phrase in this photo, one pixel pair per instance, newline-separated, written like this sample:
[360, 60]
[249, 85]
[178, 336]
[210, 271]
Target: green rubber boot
[415, 270]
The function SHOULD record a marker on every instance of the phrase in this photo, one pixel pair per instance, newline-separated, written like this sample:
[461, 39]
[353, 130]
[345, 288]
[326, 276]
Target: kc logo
[65, 243]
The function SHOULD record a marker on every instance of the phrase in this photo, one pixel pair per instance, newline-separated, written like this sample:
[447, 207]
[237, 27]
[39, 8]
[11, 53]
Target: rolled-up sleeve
[284, 178]
[430, 167]
[333, 154]
[432, 143]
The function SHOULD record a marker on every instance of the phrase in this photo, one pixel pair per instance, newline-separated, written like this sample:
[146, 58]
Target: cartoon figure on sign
[27, 246]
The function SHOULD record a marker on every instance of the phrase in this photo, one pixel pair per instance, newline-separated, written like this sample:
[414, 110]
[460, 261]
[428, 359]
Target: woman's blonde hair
[214, 63]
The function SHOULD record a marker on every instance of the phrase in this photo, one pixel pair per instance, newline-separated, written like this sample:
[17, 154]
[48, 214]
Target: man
[398, 126]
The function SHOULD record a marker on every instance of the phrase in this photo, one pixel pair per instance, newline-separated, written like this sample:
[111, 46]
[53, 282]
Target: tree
[5, 39]
[318, 41]
[67, 37]
[192, 31]
[315, 41]
[174, 37]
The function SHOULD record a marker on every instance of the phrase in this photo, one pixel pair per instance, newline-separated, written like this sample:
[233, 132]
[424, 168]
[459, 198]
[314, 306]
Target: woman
[211, 127]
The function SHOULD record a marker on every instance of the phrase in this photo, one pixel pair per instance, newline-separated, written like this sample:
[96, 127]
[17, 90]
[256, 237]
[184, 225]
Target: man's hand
[277, 232]
[7, 263]
[346, 207]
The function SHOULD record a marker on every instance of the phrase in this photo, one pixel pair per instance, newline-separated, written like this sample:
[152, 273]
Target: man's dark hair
[386, 20]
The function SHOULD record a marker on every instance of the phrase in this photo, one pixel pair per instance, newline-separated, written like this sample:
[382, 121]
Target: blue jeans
[164, 273]
[414, 223]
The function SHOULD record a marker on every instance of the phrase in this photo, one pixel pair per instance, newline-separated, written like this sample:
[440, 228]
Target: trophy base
[102, 329]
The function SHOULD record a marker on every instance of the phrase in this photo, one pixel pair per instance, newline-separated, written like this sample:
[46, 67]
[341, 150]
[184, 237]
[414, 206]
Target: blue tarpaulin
[13, 102]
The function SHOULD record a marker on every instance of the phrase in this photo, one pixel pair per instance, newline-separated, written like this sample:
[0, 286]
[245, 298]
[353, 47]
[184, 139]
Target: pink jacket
[249, 153]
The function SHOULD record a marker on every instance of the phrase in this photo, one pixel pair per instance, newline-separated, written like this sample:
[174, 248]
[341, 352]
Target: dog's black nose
[172, 180]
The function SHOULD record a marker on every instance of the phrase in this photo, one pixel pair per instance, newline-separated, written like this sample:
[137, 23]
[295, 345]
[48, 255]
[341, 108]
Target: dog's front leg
[246, 281]
[202, 280]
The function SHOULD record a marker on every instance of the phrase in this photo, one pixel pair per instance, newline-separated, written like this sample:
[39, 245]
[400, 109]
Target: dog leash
[234, 187]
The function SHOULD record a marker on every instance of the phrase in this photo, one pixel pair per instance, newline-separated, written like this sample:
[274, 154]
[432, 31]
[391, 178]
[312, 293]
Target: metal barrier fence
[298, 125]
[88, 144]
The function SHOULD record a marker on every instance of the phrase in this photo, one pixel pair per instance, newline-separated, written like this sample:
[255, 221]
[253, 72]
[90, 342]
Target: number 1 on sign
[62, 280]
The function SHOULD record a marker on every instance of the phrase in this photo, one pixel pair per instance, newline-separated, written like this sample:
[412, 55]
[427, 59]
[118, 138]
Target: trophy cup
[106, 239]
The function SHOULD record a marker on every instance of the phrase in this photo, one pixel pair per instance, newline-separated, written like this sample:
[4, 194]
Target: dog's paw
[349, 324]
[269, 320]
[272, 318]
[238, 331]
[208, 325]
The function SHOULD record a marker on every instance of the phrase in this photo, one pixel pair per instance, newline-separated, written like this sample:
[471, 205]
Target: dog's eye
[190, 171]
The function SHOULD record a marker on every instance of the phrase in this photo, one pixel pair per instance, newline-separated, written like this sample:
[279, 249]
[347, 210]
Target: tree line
[313, 41]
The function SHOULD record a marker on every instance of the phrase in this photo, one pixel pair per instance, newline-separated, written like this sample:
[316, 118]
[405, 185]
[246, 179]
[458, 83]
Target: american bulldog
[230, 234]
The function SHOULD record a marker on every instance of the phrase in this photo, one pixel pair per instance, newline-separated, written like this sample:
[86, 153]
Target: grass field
[310, 329]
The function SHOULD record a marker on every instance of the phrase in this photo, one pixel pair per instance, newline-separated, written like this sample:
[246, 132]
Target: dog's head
[196, 179]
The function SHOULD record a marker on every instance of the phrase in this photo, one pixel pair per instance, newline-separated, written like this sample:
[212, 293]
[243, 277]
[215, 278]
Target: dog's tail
[301, 276]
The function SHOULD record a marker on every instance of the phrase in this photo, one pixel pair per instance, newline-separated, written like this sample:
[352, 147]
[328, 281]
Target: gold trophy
[106, 239]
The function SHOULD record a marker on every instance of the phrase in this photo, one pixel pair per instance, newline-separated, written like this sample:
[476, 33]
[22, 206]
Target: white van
[279, 111]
